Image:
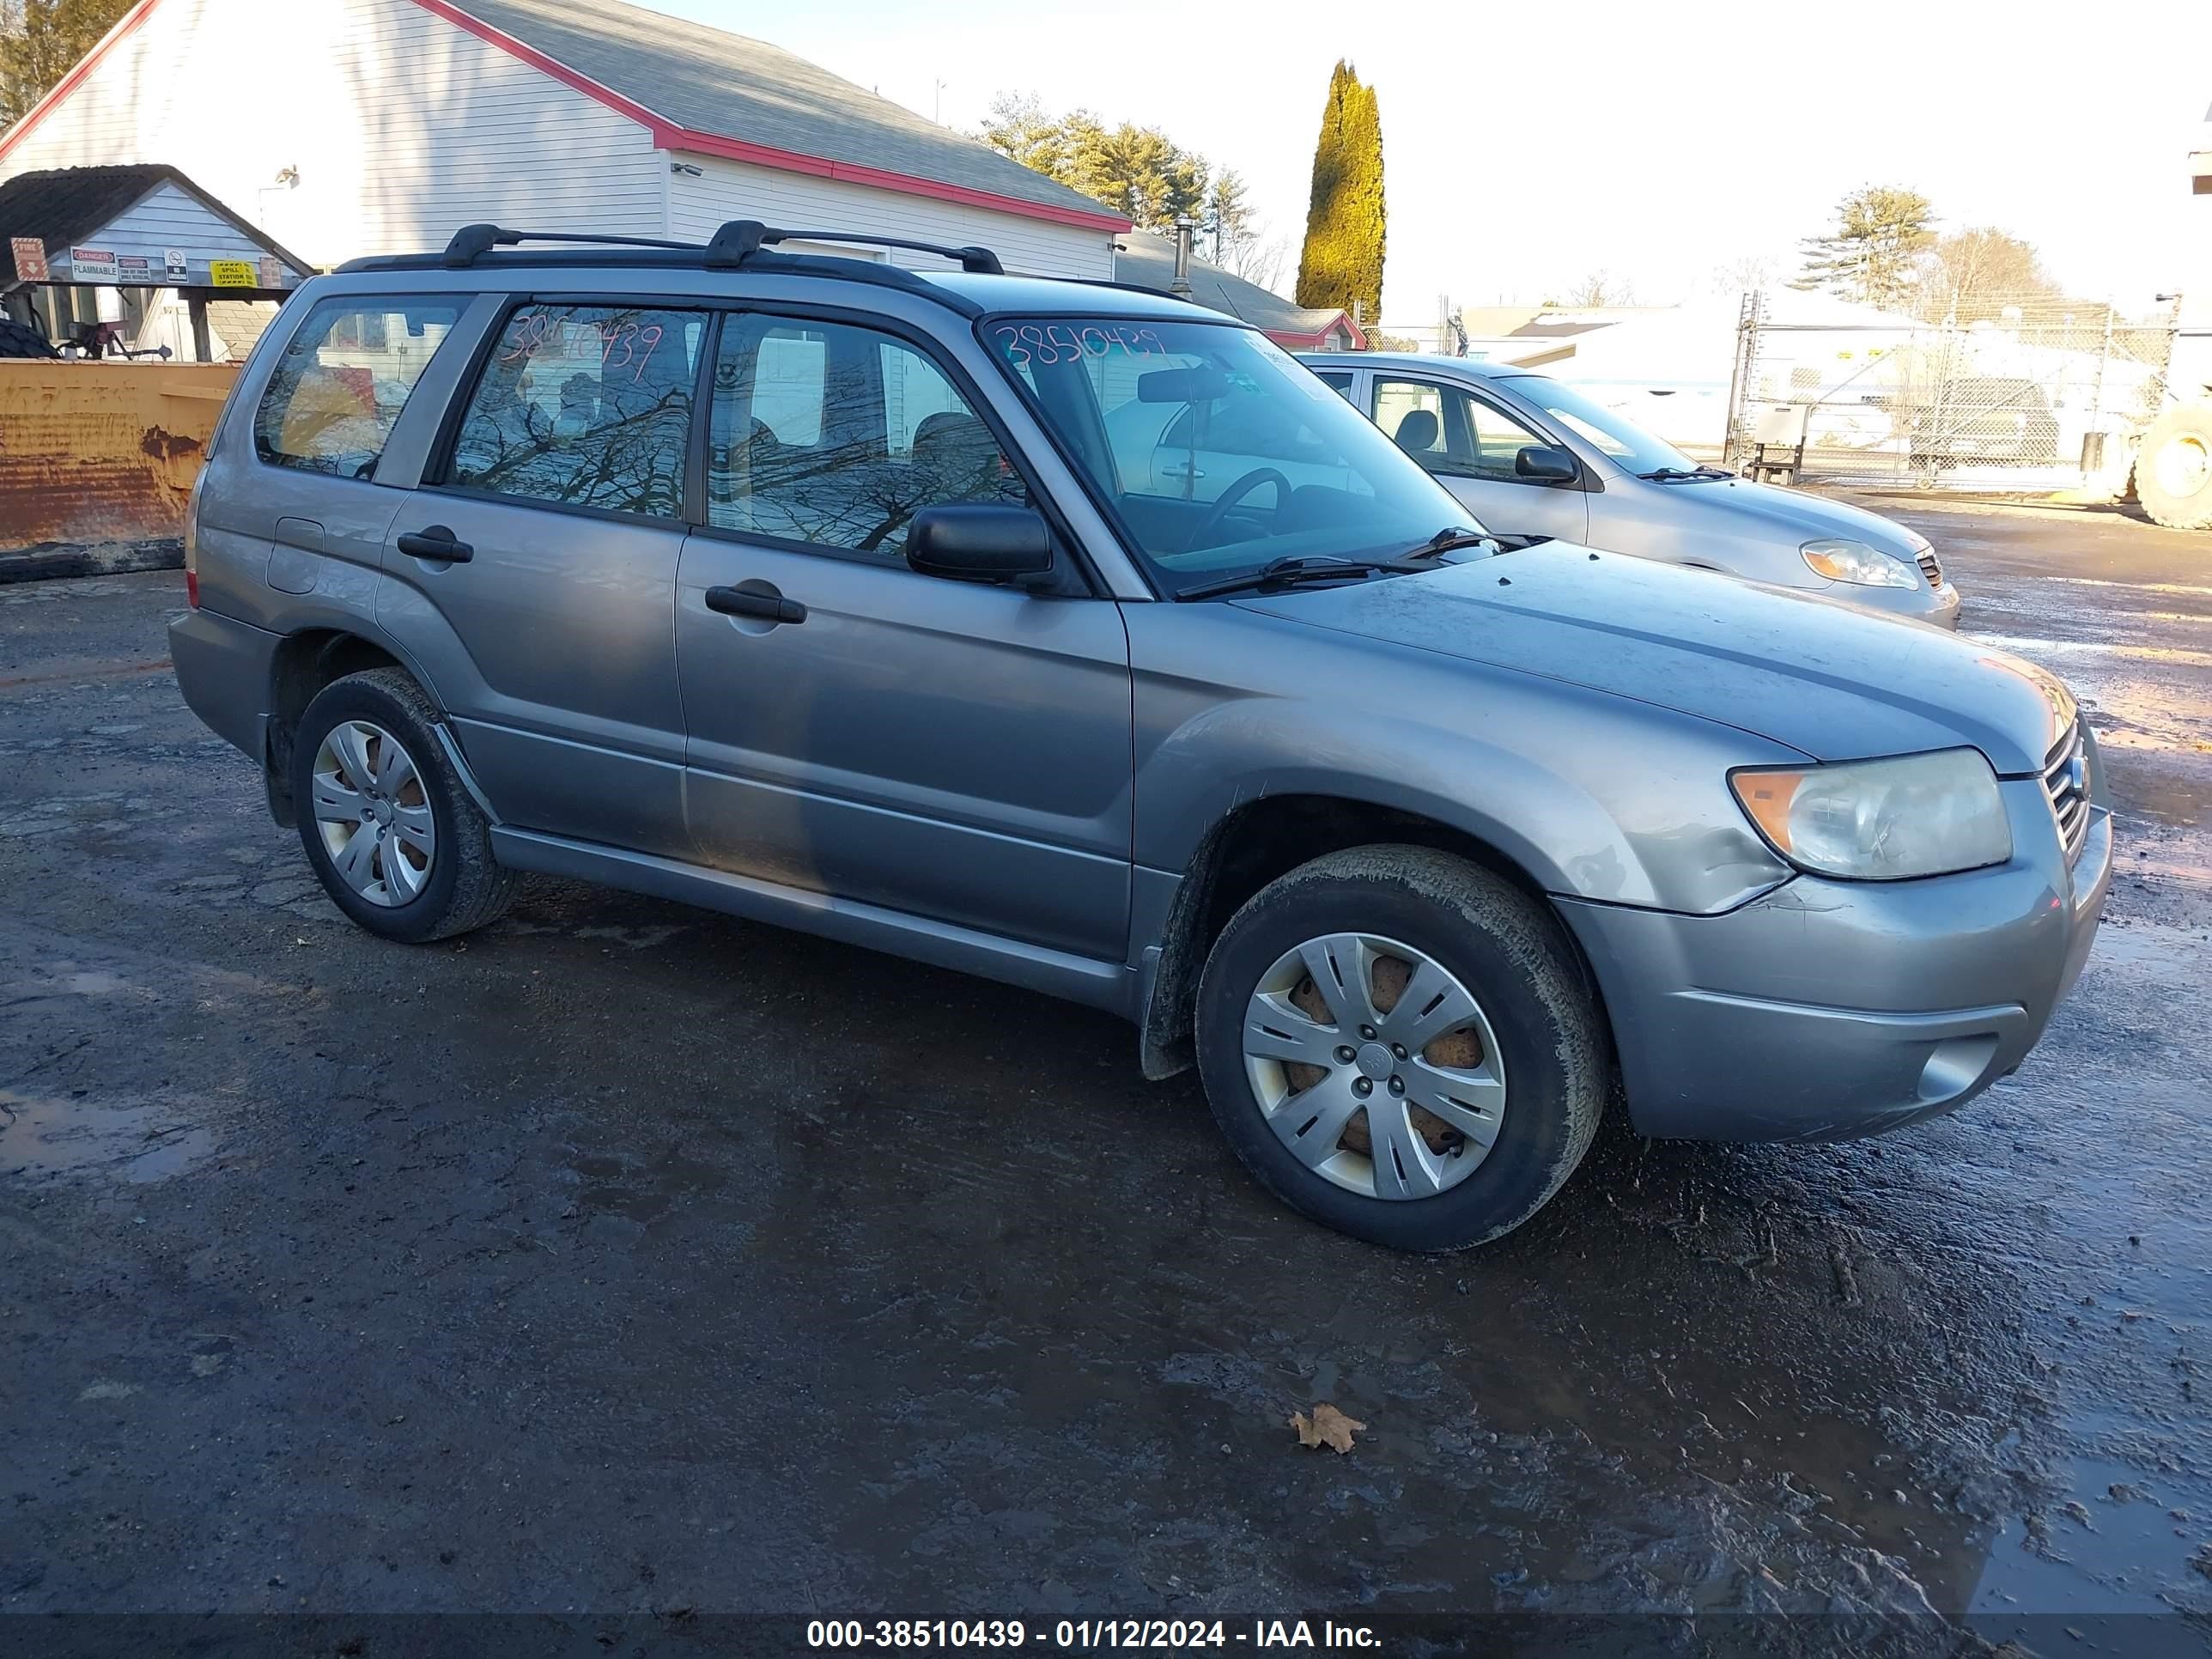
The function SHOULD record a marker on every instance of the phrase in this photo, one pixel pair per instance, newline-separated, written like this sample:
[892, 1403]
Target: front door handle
[757, 600]
[1184, 471]
[436, 543]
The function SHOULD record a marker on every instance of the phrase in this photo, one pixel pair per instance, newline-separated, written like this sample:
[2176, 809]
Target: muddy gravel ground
[636, 1267]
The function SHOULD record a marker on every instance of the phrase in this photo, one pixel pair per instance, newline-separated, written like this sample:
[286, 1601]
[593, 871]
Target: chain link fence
[2030, 394]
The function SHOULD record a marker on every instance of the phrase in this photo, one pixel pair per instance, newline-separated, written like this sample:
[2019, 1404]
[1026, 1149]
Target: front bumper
[1825, 1010]
[1939, 605]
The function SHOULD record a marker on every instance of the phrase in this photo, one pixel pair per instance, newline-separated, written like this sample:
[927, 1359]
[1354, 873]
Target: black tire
[466, 888]
[1506, 950]
[2174, 508]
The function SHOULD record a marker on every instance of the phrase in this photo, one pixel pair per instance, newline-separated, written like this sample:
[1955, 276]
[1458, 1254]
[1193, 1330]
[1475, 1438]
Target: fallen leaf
[1328, 1426]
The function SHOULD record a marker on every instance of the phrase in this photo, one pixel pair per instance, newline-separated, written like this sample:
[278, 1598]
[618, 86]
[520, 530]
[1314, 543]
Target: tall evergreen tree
[40, 40]
[1341, 262]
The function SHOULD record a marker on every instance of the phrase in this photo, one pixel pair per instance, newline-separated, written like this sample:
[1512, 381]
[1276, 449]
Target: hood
[1826, 680]
[1774, 513]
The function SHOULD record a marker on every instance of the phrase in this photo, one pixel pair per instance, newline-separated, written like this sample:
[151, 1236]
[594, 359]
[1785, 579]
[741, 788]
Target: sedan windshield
[1217, 452]
[1613, 433]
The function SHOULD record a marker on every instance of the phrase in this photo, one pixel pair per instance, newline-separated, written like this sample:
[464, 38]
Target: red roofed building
[349, 127]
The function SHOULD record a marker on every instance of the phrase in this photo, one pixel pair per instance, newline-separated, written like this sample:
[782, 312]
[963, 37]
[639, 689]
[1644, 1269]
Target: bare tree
[1971, 275]
[1599, 287]
[1260, 259]
[1745, 274]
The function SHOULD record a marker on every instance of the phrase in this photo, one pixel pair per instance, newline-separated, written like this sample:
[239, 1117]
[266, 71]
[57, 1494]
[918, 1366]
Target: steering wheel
[1235, 493]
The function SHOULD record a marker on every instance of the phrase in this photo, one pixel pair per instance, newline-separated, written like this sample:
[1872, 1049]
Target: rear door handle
[436, 543]
[757, 600]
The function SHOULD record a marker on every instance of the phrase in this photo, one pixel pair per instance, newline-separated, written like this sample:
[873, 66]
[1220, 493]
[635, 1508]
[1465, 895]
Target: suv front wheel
[1398, 1042]
[394, 837]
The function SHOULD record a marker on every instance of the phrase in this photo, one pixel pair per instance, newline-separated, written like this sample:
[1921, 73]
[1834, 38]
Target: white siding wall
[170, 219]
[735, 190]
[403, 127]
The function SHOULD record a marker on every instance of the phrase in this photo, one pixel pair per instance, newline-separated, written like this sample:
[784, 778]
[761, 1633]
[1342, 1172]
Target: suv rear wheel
[1399, 1043]
[393, 835]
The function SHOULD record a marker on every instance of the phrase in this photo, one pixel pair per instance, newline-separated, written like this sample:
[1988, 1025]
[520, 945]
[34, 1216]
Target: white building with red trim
[350, 127]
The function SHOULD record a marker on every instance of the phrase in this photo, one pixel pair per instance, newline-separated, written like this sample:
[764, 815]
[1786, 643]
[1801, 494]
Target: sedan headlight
[1881, 820]
[1857, 564]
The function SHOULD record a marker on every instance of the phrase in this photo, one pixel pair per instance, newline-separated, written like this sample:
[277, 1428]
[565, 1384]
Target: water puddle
[51, 1135]
[2112, 1546]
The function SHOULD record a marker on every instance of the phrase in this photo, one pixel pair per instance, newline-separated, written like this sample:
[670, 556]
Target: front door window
[1450, 431]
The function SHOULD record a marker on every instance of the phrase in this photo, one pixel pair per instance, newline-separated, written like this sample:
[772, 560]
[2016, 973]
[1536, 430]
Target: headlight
[1857, 564]
[1882, 820]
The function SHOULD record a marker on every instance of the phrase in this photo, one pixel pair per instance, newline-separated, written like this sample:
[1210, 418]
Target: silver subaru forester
[824, 592]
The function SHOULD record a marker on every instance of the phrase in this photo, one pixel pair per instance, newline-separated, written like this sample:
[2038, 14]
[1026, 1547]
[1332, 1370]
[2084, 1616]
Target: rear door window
[585, 405]
[345, 375]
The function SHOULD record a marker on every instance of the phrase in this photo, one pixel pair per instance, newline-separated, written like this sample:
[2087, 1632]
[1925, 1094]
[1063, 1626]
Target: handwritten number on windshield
[1025, 344]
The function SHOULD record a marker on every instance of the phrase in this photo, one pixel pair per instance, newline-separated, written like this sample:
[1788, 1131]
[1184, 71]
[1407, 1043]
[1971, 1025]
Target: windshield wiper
[1286, 572]
[1445, 540]
[1675, 474]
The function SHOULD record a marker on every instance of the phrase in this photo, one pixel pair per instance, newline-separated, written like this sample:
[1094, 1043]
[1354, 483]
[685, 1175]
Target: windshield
[1217, 452]
[1614, 434]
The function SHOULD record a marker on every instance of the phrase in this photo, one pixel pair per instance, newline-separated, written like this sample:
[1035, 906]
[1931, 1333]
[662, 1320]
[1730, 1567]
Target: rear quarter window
[345, 376]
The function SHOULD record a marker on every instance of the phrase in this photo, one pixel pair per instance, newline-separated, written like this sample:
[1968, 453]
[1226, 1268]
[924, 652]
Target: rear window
[345, 375]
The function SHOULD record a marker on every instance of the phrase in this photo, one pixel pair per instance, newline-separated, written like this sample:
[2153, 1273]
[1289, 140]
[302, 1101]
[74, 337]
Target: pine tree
[41, 39]
[1341, 267]
[1873, 256]
[1139, 170]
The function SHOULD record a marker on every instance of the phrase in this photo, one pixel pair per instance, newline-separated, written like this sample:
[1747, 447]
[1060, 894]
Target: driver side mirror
[1545, 463]
[975, 542]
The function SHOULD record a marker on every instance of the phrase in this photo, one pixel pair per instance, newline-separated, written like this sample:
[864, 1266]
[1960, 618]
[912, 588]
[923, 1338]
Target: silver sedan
[1529, 455]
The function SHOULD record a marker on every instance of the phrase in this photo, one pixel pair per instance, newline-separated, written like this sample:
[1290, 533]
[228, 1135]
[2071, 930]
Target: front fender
[1593, 796]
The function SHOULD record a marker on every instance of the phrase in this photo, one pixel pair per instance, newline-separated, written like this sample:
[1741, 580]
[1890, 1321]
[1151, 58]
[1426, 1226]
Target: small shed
[98, 246]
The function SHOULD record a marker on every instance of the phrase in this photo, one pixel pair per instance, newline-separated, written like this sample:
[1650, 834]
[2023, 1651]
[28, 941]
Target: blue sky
[1527, 146]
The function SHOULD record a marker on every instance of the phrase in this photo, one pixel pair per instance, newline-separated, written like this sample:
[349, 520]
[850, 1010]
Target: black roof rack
[742, 243]
[733, 243]
[472, 242]
[740, 239]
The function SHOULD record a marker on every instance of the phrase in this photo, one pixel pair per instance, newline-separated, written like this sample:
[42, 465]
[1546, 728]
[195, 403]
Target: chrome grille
[1932, 570]
[2066, 781]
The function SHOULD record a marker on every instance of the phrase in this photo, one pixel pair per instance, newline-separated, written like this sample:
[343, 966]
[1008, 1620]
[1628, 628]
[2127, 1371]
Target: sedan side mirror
[1545, 463]
[977, 542]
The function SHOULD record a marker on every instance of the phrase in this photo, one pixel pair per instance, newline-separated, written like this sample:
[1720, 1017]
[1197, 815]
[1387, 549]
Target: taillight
[192, 542]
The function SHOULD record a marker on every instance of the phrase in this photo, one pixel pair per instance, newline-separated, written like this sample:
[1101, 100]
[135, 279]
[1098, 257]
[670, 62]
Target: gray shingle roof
[60, 206]
[1148, 260]
[708, 81]
[67, 204]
